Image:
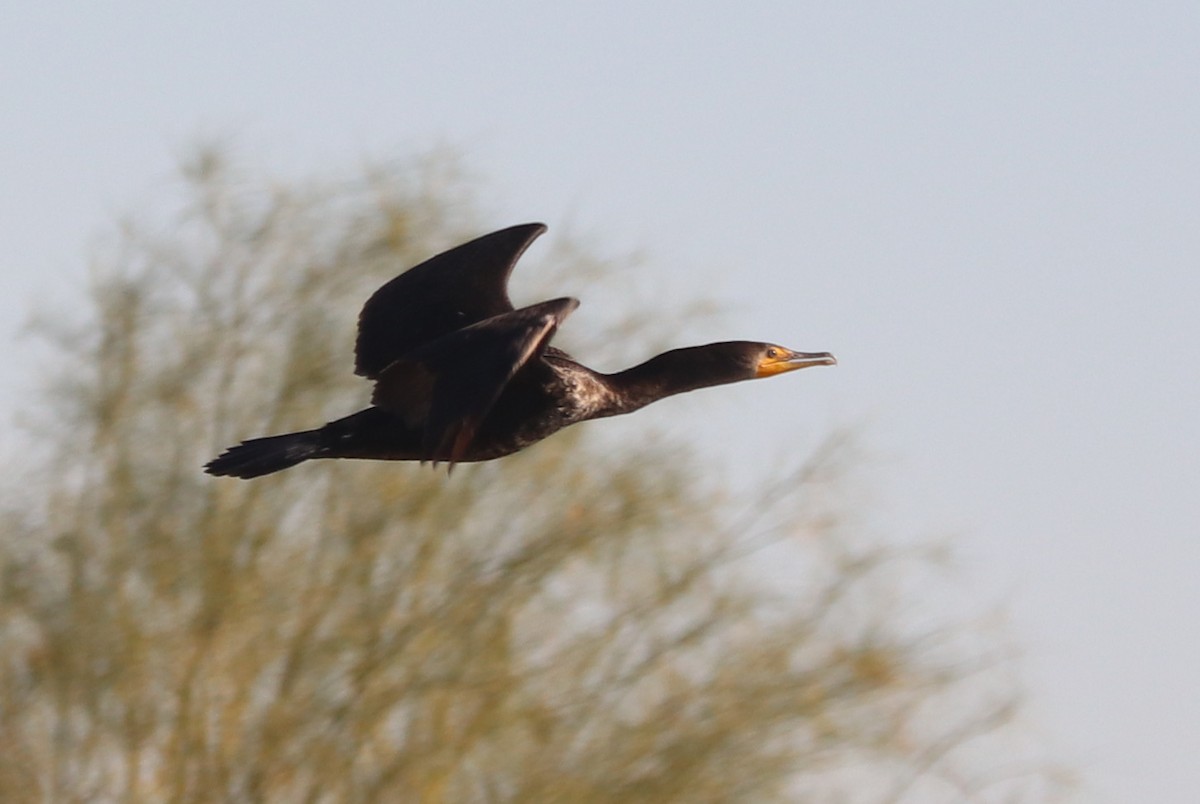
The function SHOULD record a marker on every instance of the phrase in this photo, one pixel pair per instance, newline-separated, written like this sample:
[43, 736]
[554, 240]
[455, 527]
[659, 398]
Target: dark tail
[262, 456]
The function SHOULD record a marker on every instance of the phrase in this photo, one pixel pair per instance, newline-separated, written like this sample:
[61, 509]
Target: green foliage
[570, 624]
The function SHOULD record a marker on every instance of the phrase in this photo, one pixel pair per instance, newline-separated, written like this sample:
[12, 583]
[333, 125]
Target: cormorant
[462, 376]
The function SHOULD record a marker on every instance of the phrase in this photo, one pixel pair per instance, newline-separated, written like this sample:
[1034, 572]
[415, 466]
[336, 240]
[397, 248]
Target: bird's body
[551, 394]
[461, 376]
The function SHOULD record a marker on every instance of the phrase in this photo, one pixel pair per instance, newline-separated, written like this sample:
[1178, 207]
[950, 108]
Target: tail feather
[262, 456]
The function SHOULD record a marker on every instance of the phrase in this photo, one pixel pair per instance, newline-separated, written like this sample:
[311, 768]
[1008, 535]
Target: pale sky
[988, 211]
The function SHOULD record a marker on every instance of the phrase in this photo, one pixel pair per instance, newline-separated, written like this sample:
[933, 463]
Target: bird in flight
[460, 375]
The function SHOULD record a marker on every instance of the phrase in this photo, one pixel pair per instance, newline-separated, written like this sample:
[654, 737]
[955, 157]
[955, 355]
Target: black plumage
[462, 376]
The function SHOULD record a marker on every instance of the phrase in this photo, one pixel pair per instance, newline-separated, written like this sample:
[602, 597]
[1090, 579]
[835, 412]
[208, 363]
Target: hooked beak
[788, 360]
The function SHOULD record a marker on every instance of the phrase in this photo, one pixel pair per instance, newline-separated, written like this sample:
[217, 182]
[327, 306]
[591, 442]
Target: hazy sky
[989, 211]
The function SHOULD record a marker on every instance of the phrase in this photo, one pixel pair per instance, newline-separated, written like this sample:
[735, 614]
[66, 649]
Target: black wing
[452, 383]
[457, 288]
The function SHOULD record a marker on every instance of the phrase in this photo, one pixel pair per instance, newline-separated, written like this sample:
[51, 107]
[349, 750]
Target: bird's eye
[772, 353]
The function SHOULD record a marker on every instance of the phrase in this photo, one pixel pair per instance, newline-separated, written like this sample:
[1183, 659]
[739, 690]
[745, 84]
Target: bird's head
[769, 359]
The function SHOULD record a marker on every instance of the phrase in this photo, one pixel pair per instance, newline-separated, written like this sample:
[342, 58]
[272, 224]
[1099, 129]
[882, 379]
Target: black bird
[462, 376]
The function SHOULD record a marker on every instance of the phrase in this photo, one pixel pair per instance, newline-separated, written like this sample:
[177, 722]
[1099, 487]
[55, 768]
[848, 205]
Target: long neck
[673, 372]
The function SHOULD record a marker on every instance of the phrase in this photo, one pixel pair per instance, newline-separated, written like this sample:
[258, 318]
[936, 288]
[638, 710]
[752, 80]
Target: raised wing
[452, 383]
[457, 288]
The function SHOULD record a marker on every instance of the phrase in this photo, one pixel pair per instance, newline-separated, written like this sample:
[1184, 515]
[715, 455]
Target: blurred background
[986, 211]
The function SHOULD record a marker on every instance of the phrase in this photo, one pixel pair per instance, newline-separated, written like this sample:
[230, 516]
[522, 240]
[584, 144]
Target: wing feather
[455, 289]
[469, 368]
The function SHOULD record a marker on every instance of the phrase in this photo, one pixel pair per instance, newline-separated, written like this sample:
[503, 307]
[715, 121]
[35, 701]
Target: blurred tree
[573, 623]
